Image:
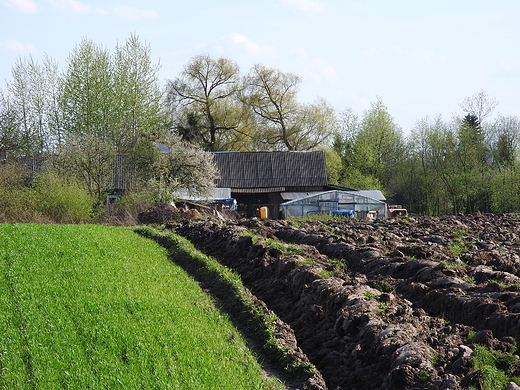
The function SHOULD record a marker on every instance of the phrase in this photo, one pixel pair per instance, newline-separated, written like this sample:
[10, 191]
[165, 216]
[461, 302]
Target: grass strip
[260, 326]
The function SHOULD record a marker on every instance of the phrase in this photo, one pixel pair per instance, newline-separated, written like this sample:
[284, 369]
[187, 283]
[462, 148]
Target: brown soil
[165, 213]
[390, 304]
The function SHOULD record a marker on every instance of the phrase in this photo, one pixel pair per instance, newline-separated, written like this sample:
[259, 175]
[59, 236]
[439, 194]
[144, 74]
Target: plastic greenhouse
[335, 202]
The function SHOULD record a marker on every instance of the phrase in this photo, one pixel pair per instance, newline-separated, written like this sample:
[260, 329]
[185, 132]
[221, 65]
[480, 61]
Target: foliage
[34, 93]
[371, 148]
[204, 103]
[283, 122]
[63, 200]
[107, 104]
[187, 167]
[494, 366]
[12, 142]
[99, 307]
[17, 202]
[90, 162]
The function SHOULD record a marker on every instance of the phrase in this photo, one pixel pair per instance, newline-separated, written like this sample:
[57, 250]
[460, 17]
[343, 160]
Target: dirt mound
[165, 213]
[389, 304]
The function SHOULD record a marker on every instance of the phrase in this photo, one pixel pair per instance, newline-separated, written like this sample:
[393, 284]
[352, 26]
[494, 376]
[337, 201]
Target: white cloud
[25, 6]
[75, 7]
[304, 5]
[15, 47]
[250, 46]
[133, 13]
[299, 52]
[328, 71]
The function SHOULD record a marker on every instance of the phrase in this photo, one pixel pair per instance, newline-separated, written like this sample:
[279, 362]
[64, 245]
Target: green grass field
[97, 307]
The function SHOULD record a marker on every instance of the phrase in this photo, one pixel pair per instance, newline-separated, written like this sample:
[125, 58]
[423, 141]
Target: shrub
[124, 212]
[63, 200]
[17, 201]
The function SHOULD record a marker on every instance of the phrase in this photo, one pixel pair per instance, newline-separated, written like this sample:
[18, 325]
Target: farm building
[269, 179]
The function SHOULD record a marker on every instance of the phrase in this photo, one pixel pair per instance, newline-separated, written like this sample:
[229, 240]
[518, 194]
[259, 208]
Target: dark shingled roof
[271, 169]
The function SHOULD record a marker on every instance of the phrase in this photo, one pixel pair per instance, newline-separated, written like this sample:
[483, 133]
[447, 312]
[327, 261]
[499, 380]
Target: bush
[63, 200]
[17, 201]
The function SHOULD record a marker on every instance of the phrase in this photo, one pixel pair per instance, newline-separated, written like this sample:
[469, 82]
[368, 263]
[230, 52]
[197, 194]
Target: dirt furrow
[387, 304]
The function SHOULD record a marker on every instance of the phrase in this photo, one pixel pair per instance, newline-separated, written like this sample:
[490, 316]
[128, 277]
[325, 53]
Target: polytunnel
[335, 202]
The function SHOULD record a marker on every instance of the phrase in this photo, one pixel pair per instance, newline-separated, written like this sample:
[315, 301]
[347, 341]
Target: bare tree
[283, 122]
[206, 94]
[479, 105]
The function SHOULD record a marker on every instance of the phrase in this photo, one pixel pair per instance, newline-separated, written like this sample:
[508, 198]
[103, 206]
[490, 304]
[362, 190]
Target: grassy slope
[100, 307]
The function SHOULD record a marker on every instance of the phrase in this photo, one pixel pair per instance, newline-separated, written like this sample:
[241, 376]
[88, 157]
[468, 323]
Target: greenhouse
[335, 202]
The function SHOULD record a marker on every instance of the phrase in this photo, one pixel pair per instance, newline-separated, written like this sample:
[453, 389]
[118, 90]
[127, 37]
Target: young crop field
[97, 307]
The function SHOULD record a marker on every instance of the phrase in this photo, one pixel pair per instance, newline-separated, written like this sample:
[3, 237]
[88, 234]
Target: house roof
[247, 170]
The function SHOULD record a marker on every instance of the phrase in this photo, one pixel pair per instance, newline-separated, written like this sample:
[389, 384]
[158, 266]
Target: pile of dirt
[389, 304]
[165, 213]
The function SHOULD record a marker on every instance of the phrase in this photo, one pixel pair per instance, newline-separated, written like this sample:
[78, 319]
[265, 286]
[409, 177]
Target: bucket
[264, 212]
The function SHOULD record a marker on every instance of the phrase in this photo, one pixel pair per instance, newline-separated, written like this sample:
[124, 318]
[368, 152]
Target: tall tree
[140, 100]
[88, 97]
[33, 91]
[428, 179]
[472, 163]
[283, 122]
[112, 106]
[505, 184]
[344, 141]
[379, 144]
[505, 140]
[206, 94]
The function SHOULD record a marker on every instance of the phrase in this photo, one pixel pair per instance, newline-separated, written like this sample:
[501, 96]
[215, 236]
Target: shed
[332, 202]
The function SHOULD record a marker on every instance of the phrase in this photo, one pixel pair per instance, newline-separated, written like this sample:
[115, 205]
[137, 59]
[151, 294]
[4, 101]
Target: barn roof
[248, 170]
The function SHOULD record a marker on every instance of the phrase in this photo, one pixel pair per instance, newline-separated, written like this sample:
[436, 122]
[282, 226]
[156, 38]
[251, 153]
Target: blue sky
[421, 58]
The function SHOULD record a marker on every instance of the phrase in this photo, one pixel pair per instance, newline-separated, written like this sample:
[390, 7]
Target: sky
[419, 57]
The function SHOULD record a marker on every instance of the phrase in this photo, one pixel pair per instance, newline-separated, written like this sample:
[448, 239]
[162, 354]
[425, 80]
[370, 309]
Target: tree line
[101, 117]
[107, 104]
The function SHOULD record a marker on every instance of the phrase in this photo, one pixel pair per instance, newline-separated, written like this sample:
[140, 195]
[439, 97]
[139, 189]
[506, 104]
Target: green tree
[472, 166]
[379, 144]
[371, 148]
[88, 97]
[204, 103]
[505, 183]
[505, 141]
[113, 115]
[429, 174]
[344, 142]
[283, 122]
[139, 100]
